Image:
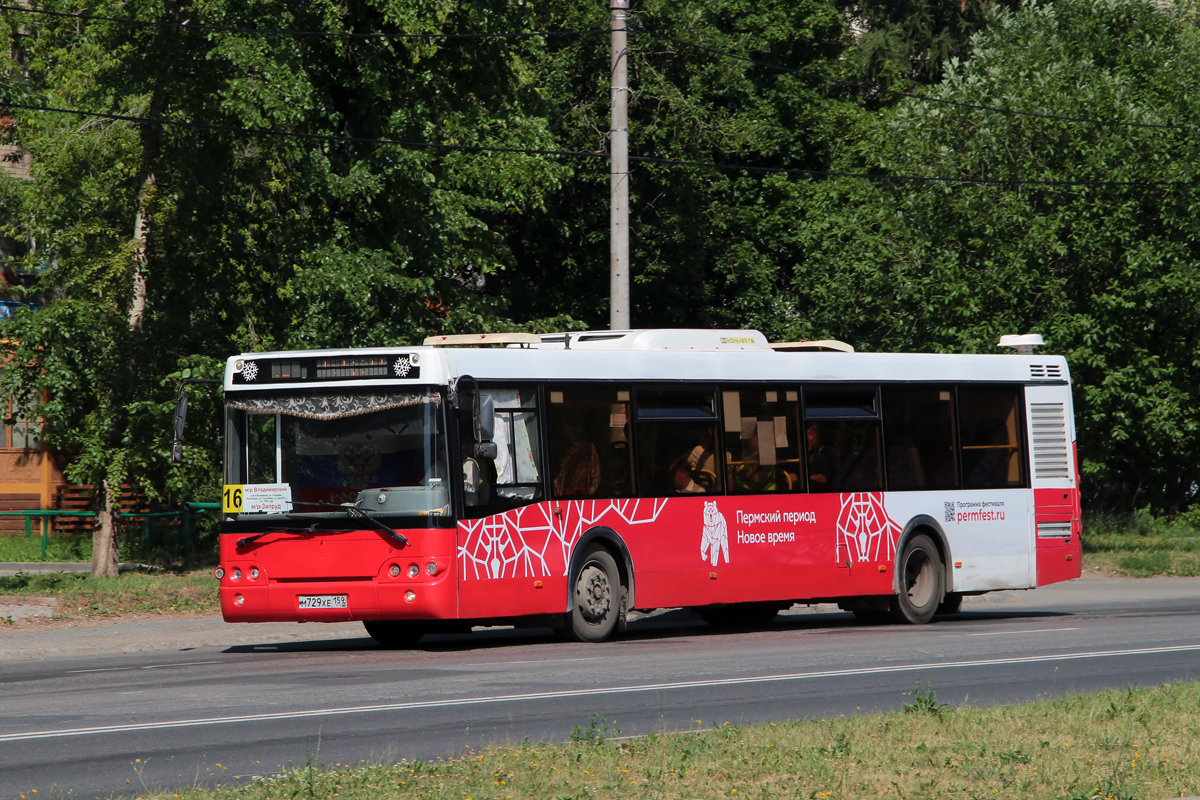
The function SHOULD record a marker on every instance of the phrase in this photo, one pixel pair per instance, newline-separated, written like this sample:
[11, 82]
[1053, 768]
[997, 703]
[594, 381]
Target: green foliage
[598, 731]
[925, 701]
[1106, 273]
[263, 242]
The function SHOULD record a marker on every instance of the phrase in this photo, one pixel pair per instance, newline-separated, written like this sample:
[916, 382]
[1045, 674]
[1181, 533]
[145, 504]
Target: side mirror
[180, 419]
[485, 420]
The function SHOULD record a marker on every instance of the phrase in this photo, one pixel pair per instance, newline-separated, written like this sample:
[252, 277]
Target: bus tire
[393, 634]
[739, 615]
[596, 597]
[951, 603]
[919, 571]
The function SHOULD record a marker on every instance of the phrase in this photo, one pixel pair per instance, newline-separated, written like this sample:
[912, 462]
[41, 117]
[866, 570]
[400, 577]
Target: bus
[565, 480]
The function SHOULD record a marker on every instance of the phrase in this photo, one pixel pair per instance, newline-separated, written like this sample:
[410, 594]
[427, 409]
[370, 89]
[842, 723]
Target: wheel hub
[594, 594]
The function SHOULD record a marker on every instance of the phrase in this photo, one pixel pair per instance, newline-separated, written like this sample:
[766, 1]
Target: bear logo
[715, 539]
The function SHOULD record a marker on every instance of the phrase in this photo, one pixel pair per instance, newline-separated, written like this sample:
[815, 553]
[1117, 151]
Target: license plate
[323, 601]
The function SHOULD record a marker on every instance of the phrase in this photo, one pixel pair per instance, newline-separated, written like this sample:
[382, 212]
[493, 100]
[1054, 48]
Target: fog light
[238, 599]
[409, 596]
[413, 570]
[431, 568]
[394, 571]
[237, 573]
[254, 573]
[219, 572]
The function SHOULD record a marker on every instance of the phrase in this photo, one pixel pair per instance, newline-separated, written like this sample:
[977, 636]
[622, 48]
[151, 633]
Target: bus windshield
[385, 451]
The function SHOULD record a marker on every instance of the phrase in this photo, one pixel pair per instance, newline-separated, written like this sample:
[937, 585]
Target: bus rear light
[394, 570]
[237, 574]
[413, 570]
[254, 573]
[431, 568]
[238, 599]
[219, 572]
[409, 596]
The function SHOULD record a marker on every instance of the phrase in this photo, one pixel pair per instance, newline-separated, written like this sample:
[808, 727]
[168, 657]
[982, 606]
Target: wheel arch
[923, 523]
[615, 545]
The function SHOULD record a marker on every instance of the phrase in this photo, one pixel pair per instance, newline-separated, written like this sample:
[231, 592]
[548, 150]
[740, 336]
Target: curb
[10, 568]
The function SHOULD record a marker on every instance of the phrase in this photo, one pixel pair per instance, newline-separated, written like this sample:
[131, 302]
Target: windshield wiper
[352, 509]
[245, 540]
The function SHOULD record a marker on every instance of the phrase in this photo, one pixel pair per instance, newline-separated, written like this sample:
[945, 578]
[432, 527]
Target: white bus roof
[651, 356]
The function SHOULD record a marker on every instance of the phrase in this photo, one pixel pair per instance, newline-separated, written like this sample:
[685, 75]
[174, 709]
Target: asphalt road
[100, 710]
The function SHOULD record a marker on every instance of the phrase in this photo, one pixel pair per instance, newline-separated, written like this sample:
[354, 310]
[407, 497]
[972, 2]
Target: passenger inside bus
[695, 472]
[822, 461]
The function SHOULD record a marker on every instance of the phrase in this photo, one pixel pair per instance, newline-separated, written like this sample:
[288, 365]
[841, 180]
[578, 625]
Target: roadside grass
[1142, 545]
[82, 596]
[1114, 745]
[77, 547]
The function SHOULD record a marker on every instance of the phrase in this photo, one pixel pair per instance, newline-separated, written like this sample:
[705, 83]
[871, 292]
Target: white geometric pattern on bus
[534, 542]
[865, 529]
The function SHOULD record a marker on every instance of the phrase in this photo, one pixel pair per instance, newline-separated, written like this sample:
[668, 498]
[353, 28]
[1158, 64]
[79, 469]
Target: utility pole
[618, 264]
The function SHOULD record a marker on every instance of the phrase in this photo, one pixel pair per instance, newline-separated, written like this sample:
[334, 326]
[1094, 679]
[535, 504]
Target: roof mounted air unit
[482, 339]
[815, 346]
[1022, 343]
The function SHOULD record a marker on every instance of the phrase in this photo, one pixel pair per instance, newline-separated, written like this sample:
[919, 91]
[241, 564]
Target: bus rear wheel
[596, 595]
[393, 634]
[921, 576]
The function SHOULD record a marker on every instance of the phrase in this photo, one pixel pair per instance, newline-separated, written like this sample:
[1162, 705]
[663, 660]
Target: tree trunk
[104, 540]
[105, 559]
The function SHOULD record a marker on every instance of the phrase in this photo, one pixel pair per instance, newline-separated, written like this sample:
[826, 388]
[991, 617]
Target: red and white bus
[564, 480]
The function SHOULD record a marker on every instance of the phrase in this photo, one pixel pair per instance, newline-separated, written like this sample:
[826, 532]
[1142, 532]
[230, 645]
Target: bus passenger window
[677, 444]
[991, 437]
[762, 443]
[841, 437]
[918, 426]
[588, 431]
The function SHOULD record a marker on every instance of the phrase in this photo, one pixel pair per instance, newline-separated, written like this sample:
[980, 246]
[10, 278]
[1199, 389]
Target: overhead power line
[316, 34]
[324, 137]
[914, 95]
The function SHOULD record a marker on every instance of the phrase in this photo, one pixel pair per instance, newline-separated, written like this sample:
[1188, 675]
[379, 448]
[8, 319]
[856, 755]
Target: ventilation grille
[1049, 440]
[1045, 372]
[1048, 530]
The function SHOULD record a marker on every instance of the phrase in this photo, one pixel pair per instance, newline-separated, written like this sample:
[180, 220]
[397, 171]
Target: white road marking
[184, 664]
[1017, 633]
[148, 666]
[573, 693]
[535, 661]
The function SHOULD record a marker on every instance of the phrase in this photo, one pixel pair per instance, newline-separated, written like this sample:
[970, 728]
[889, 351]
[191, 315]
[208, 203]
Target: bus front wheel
[392, 634]
[595, 597]
[921, 576]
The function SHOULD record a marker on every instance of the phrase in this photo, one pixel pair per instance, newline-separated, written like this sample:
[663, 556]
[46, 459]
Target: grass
[1116, 745]
[58, 548]
[81, 596]
[1142, 545]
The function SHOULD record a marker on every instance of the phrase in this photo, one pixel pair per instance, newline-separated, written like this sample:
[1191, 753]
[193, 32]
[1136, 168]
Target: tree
[171, 245]
[1107, 271]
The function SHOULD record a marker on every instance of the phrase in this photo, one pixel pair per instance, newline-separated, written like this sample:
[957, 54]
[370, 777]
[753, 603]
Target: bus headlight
[238, 599]
[413, 570]
[409, 596]
[254, 573]
[394, 570]
[237, 573]
[219, 572]
[431, 568]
